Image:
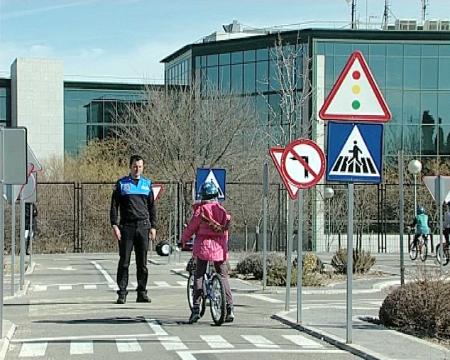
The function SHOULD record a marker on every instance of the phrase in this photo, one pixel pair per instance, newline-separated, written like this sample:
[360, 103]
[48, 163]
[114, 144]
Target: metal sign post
[13, 247]
[350, 261]
[290, 224]
[22, 243]
[300, 256]
[402, 217]
[265, 211]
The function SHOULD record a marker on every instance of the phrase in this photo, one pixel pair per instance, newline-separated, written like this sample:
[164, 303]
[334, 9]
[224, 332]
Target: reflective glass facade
[90, 109]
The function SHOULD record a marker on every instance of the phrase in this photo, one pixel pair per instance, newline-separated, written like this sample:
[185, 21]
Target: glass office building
[412, 69]
[5, 108]
[90, 110]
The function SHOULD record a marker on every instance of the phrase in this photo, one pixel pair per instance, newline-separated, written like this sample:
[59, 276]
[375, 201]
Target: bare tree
[178, 130]
[289, 117]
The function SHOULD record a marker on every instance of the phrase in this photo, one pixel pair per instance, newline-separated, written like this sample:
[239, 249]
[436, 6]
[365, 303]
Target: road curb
[331, 339]
[4, 342]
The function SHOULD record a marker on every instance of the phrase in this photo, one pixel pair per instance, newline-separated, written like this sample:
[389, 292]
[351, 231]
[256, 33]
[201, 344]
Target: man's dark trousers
[133, 235]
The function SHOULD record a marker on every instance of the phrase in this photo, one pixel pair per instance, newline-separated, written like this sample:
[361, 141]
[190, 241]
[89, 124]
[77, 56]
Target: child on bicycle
[209, 223]
[421, 224]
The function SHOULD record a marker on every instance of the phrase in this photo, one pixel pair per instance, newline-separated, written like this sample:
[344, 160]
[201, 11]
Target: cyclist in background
[446, 229]
[421, 223]
[209, 223]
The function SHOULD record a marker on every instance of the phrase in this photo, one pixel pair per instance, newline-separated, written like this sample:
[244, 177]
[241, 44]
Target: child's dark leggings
[222, 269]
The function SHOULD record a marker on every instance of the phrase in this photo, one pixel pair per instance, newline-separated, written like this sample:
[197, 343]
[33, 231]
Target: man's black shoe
[143, 298]
[122, 299]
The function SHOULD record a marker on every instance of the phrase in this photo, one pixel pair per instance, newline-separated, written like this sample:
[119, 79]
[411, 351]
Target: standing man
[134, 196]
[30, 210]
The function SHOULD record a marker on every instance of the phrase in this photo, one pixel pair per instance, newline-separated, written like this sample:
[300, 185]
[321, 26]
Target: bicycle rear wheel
[413, 252]
[190, 295]
[217, 302]
[445, 254]
[424, 252]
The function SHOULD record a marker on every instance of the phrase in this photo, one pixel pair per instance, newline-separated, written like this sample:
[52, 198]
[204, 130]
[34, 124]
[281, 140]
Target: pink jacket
[209, 223]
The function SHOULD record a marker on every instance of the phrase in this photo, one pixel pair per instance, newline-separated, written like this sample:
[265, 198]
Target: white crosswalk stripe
[81, 347]
[129, 345]
[182, 283]
[33, 349]
[172, 343]
[216, 342]
[90, 287]
[38, 288]
[65, 287]
[303, 341]
[260, 341]
[162, 283]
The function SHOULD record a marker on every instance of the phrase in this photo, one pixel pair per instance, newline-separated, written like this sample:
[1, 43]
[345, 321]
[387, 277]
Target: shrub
[362, 261]
[311, 263]
[276, 274]
[251, 264]
[277, 269]
[420, 308]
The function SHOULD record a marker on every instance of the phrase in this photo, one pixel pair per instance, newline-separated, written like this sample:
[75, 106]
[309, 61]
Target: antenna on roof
[353, 9]
[386, 15]
[424, 9]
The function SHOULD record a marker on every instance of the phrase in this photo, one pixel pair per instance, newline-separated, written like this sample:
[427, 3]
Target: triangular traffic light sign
[355, 95]
[276, 153]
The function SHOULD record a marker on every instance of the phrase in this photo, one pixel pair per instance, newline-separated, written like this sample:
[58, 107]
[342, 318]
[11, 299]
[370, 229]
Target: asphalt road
[69, 311]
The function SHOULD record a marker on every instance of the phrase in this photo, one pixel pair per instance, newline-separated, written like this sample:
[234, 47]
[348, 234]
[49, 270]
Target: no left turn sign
[303, 163]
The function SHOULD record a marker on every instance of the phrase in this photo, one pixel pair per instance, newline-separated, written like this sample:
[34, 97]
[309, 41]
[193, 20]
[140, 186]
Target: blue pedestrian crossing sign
[216, 176]
[354, 152]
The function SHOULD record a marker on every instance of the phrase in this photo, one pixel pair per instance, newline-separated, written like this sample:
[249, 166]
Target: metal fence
[74, 217]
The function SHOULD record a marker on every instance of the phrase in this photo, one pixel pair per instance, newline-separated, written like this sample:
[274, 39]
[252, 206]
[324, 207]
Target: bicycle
[445, 253]
[213, 292]
[419, 247]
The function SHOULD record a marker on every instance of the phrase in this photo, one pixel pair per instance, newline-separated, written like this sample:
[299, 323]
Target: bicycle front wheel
[217, 302]
[190, 295]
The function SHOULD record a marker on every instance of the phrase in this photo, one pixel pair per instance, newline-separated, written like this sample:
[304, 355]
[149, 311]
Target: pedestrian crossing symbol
[354, 152]
[216, 176]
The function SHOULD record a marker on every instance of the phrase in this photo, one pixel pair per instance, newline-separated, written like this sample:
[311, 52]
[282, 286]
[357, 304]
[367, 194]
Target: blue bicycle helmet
[420, 210]
[208, 191]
